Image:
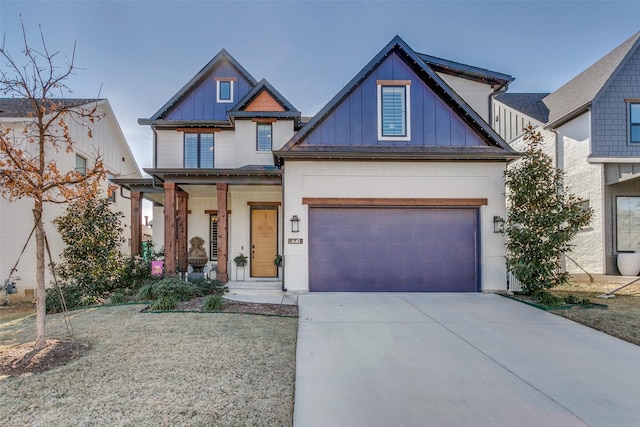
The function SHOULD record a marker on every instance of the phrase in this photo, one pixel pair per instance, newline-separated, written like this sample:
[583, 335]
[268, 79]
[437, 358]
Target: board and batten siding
[510, 123]
[444, 180]
[354, 121]
[200, 103]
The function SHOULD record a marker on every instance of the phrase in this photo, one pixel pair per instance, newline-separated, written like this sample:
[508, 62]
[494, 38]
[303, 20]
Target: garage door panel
[392, 249]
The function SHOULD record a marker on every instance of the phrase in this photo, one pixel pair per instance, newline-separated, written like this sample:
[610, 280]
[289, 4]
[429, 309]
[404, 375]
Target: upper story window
[224, 90]
[394, 110]
[634, 122]
[264, 131]
[112, 188]
[81, 165]
[198, 150]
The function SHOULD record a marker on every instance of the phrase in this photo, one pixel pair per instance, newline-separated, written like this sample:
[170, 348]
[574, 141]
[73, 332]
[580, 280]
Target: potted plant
[278, 261]
[240, 260]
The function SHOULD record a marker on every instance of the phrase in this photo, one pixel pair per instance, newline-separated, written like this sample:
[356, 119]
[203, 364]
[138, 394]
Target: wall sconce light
[498, 224]
[295, 224]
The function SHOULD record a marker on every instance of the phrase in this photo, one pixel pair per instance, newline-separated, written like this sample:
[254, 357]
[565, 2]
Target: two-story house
[395, 185]
[16, 218]
[591, 127]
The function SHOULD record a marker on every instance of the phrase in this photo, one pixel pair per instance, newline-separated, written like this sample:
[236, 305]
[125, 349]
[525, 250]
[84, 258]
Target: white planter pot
[629, 264]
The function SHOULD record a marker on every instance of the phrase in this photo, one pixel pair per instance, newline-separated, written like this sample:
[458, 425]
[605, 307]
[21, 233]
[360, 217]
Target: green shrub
[118, 298]
[173, 287]
[213, 303]
[572, 299]
[73, 297]
[209, 287]
[164, 303]
[146, 292]
[548, 299]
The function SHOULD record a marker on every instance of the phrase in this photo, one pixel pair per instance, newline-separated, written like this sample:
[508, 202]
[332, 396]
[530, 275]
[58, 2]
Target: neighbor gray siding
[610, 117]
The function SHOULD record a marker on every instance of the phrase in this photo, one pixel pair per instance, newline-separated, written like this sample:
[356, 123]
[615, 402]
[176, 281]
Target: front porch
[233, 211]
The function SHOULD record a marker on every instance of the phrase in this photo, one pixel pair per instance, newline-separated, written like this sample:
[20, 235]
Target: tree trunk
[41, 296]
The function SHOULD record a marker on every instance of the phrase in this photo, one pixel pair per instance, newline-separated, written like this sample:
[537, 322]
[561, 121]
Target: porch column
[170, 228]
[183, 235]
[223, 220]
[136, 223]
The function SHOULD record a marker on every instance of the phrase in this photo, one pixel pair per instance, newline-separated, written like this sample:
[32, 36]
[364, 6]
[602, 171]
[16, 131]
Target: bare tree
[28, 167]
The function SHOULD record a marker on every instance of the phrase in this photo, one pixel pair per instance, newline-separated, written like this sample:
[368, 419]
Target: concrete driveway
[456, 360]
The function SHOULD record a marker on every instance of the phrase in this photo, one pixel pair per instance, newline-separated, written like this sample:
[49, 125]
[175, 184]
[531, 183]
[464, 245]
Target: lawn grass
[169, 369]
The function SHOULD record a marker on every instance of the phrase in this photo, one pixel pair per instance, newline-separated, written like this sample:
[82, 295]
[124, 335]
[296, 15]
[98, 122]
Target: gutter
[569, 116]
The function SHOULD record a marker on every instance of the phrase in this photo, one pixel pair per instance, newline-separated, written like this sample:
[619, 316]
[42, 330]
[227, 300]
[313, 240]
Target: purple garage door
[393, 250]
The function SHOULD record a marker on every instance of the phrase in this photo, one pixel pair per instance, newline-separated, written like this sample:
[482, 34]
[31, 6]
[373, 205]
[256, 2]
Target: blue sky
[142, 52]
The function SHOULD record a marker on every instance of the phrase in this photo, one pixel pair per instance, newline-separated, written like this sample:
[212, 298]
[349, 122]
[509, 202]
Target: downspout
[499, 90]
[284, 288]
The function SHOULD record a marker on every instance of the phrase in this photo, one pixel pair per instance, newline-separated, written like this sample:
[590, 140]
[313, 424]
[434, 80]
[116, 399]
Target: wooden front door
[264, 242]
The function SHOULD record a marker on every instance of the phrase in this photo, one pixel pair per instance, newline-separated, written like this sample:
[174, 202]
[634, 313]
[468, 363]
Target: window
[224, 91]
[628, 223]
[394, 110]
[198, 150]
[213, 237]
[634, 116]
[81, 165]
[264, 137]
[112, 188]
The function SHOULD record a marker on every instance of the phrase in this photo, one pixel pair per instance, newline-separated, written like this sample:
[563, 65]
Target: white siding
[510, 123]
[586, 181]
[169, 149]
[16, 218]
[474, 93]
[395, 180]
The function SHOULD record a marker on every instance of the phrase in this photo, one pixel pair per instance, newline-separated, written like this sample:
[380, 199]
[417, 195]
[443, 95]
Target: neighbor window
[225, 91]
[264, 137]
[198, 150]
[628, 223]
[393, 110]
[213, 237]
[81, 165]
[112, 188]
[634, 122]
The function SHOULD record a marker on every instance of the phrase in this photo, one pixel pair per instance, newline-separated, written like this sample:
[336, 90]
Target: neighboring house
[591, 127]
[16, 218]
[394, 185]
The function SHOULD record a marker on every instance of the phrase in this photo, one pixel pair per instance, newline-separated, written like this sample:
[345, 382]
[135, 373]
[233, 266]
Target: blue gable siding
[200, 103]
[354, 120]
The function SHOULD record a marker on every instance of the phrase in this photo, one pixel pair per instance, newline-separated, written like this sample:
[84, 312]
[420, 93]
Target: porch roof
[246, 175]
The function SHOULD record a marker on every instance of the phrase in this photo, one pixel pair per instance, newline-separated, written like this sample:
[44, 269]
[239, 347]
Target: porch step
[255, 286]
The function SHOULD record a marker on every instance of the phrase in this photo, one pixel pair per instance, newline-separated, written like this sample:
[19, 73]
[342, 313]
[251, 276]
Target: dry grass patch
[187, 369]
[620, 319]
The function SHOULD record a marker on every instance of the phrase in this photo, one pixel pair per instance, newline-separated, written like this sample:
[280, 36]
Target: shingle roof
[528, 103]
[580, 92]
[21, 107]
[467, 71]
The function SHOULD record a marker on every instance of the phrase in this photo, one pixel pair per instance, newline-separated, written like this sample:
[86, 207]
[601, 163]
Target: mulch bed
[24, 360]
[244, 307]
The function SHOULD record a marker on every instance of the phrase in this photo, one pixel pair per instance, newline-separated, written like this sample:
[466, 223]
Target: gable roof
[528, 103]
[263, 85]
[577, 95]
[223, 55]
[21, 107]
[470, 72]
[428, 75]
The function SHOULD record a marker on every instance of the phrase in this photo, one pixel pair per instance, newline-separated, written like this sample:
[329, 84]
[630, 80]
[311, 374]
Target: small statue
[197, 249]
[197, 255]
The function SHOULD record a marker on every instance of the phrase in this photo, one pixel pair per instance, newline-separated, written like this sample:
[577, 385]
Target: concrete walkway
[456, 360]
